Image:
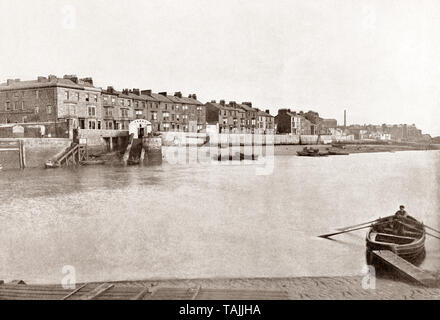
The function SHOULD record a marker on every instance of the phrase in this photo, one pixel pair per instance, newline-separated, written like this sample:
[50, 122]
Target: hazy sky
[378, 59]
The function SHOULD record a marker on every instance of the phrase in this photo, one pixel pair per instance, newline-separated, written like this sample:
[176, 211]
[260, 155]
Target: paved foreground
[304, 288]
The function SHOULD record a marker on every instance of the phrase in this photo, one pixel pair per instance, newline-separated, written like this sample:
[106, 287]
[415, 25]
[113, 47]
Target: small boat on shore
[408, 243]
[311, 152]
[51, 164]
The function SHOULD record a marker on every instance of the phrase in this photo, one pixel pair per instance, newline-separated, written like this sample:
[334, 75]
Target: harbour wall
[188, 138]
[36, 152]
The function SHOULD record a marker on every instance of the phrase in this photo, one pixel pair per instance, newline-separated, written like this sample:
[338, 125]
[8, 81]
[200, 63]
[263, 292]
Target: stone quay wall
[36, 151]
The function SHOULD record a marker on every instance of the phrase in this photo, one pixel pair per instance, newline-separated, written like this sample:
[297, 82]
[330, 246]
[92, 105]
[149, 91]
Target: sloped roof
[160, 97]
[30, 84]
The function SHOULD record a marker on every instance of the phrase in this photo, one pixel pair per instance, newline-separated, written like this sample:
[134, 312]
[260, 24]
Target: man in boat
[399, 216]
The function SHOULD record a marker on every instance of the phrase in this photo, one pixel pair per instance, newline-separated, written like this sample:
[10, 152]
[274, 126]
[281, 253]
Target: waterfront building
[250, 115]
[118, 109]
[266, 122]
[220, 114]
[62, 104]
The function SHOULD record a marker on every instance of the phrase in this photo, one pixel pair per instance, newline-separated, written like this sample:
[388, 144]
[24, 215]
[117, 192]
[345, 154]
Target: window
[87, 97]
[185, 117]
[77, 96]
[95, 98]
[124, 112]
[109, 125]
[37, 94]
[166, 116]
[92, 111]
[15, 105]
[99, 125]
[177, 107]
[36, 110]
[108, 112]
[139, 112]
[24, 119]
[49, 109]
[166, 126]
[105, 98]
[177, 117]
[113, 100]
[92, 124]
[185, 107]
[154, 116]
[199, 108]
[22, 105]
[66, 95]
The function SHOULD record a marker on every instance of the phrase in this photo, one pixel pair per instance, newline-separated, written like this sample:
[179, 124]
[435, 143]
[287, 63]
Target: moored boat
[405, 236]
[311, 152]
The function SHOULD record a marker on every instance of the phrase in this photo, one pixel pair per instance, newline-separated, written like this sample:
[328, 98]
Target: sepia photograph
[235, 150]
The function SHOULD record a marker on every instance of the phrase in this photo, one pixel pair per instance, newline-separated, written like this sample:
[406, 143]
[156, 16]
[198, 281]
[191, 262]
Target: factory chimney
[345, 119]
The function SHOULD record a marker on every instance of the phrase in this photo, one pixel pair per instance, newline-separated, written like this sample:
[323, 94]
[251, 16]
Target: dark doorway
[82, 123]
[141, 133]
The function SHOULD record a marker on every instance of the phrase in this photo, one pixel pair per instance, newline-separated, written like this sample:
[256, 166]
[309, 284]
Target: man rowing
[399, 217]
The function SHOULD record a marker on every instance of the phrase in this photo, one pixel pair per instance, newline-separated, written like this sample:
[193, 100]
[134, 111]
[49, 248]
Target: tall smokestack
[345, 119]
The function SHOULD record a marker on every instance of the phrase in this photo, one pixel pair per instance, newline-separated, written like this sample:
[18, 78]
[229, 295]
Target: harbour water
[205, 220]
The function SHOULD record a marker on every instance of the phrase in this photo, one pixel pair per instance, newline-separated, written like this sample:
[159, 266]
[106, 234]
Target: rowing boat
[405, 236]
[311, 152]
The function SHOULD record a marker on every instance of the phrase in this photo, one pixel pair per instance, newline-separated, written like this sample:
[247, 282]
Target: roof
[44, 83]
[160, 97]
[245, 107]
[263, 113]
[148, 97]
[191, 101]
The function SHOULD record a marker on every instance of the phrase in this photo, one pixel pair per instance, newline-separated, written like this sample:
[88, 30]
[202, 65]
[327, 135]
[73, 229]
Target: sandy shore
[305, 288]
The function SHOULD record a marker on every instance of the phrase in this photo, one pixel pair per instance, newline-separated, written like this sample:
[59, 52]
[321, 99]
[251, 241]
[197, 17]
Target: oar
[432, 235]
[428, 227]
[345, 231]
[361, 224]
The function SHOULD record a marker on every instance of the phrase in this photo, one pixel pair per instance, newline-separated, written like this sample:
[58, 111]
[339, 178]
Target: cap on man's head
[402, 206]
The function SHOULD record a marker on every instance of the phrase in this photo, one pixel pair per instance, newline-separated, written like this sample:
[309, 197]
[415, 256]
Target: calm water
[174, 221]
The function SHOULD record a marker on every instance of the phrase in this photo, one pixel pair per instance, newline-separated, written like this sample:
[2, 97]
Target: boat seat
[395, 236]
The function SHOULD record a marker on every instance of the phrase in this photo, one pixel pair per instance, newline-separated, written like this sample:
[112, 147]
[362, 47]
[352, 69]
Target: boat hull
[409, 247]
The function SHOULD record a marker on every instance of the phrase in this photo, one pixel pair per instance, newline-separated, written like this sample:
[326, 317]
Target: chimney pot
[213, 101]
[222, 102]
[178, 94]
[89, 80]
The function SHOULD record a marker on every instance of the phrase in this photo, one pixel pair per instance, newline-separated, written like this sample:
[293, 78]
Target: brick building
[52, 100]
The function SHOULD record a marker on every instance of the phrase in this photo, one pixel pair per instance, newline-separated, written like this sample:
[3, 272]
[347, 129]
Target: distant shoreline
[355, 148]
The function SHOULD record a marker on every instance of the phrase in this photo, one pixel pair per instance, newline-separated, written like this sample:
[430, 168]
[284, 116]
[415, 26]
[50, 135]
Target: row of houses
[300, 123]
[80, 104]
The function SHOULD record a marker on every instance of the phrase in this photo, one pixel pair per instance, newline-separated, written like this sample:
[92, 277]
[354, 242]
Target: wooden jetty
[406, 268]
[14, 145]
[114, 291]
